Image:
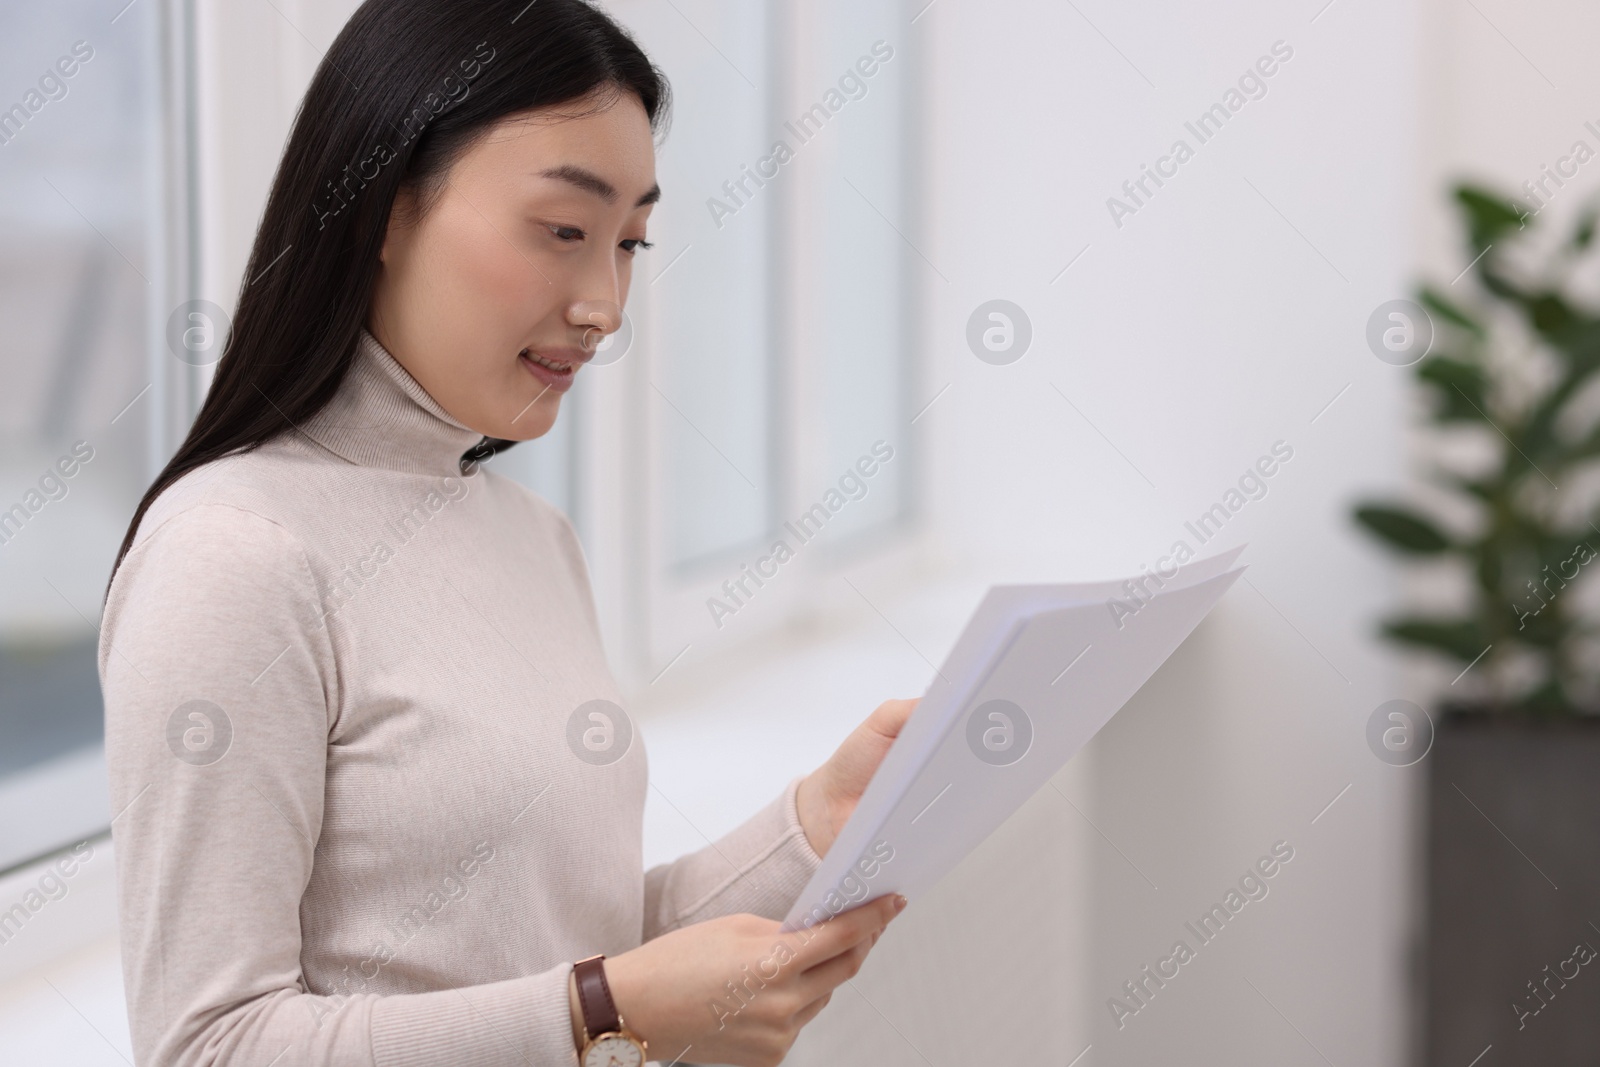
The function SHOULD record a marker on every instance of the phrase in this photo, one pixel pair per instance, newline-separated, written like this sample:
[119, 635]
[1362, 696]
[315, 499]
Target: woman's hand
[829, 794]
[673, 991]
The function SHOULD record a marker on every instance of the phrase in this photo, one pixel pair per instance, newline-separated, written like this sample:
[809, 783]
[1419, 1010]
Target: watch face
[614, 1050]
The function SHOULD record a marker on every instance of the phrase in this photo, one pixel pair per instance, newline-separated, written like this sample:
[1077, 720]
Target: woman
[376, 797]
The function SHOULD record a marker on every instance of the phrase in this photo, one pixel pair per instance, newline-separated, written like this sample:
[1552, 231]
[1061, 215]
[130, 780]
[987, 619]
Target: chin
[535, 422]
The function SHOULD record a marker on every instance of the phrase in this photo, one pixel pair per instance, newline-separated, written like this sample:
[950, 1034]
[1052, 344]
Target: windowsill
[59, 914]
[725, 736]
[63, 799]
[61, 997]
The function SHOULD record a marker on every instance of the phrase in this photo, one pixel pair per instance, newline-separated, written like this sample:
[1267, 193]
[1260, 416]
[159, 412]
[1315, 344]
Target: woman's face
[523, 258]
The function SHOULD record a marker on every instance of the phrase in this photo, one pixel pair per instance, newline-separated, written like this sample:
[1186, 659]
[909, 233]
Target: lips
[554, 369]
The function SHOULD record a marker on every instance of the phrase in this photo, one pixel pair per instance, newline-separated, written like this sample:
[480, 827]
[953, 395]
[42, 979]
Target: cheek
[487, 287]
[463, 299]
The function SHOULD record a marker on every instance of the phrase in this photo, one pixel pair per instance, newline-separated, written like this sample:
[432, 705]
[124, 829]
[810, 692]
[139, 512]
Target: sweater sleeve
[759, 867]
[218, 678]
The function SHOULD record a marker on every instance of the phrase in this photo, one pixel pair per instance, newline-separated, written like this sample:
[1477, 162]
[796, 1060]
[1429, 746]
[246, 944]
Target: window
[773, 349]
[91, 395]
[769, 348]
[858, 255]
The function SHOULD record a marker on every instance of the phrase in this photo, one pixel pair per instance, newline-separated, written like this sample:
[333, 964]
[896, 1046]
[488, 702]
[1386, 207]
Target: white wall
[1220, 318]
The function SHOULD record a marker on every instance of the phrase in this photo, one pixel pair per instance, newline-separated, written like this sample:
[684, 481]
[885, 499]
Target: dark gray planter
[1513, 889]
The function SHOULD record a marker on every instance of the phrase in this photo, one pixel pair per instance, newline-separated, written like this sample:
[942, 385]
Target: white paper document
[1035, 674]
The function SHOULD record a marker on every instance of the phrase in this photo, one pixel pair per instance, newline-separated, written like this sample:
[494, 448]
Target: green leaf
[1585, 448]
[1499, 285]
[1545, 630]
[1460, 638]
[1489, 215]
[1436, 303]
[1462, 388]
[1404, 529]
[1539, 435]
[1566, 552]
[1584, 232]
[1570, 329]
[1582, 340]
[1550, 314]
[1476, 488]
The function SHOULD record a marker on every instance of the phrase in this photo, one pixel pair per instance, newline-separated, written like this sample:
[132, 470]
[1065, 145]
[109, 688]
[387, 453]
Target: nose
[598, 317]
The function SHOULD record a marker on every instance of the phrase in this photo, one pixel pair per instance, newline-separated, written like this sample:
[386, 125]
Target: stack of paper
[1035, 674]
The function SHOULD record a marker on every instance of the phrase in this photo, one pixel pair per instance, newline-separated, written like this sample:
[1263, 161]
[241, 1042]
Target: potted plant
[1513, 795]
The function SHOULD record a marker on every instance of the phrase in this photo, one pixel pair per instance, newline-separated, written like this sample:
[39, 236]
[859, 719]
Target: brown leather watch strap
[594, 997]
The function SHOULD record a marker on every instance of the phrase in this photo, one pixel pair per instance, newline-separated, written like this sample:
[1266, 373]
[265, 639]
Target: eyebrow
[589, 181]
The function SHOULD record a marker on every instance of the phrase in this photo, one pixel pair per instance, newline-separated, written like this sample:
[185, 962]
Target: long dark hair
[406, 86]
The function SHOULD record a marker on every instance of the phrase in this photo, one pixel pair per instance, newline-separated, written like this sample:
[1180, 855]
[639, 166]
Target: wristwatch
[607, 1042]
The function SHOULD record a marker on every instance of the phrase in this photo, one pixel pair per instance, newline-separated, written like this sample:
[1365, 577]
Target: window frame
[63, 799]
[654, 612]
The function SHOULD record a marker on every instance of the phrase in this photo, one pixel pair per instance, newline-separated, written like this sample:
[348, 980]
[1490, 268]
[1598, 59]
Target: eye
[567, 233]
[632, 244]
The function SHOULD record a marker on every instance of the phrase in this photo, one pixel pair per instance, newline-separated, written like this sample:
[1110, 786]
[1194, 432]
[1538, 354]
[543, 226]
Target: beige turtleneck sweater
[359, 816]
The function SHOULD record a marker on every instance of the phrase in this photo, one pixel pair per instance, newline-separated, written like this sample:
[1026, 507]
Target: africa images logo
[199, 733]
[1140, 990]
[853, 484]
[1251, 85]
[599, 732]
[452, 90]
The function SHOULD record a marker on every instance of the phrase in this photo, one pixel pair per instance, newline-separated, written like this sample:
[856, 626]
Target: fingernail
[899, 902]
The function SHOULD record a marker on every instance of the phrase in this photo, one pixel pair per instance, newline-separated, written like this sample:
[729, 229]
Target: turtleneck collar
[381, 417]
